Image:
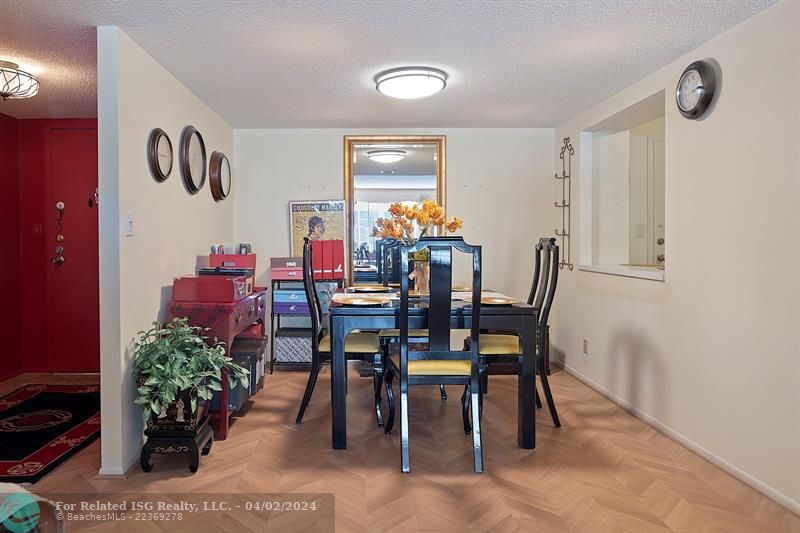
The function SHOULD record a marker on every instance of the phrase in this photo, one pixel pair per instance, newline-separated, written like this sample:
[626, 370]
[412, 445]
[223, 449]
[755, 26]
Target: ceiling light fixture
[411, 82]
[16, 83]
[386, 156]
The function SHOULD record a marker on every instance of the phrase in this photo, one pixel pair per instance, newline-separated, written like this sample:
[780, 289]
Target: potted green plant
[175, 366]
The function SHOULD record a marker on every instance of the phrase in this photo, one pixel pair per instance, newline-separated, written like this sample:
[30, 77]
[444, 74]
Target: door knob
[660, 240]
[660, 257]
[58, 260]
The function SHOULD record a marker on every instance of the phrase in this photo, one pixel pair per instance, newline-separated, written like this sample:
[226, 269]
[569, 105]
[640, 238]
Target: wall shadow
[636, 368]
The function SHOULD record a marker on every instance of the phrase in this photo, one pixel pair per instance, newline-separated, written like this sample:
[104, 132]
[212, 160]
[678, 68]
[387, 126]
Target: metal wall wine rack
[567, 151]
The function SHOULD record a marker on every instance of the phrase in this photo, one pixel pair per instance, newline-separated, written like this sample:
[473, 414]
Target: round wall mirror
[193, 159]
[220, 172]
[159, 154]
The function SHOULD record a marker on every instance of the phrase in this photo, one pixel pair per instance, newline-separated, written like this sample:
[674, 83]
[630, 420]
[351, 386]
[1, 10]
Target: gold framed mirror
[378, 171]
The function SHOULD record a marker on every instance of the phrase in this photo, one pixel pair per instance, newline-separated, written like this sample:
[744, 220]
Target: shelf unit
[280, 331]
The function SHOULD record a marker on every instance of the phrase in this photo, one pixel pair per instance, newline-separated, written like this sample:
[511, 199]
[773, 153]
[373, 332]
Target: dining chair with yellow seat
[358, 345]
[437, 364]
[506, 347]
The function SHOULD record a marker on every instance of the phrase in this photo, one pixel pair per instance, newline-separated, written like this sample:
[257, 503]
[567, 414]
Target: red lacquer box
[209, 289]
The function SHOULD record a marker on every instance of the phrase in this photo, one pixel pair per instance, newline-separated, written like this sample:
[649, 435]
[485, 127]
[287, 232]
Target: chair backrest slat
[551, 256]
[537, 265]
[314, 306]
[379, 259]
[389, 249]
[441, 271]
[543, 254]
[545, 279]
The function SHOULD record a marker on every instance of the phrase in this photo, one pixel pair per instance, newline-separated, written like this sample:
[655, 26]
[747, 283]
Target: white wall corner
[112, 459]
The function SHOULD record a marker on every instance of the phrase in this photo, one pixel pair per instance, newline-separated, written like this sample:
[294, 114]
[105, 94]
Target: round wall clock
[220, 176]
[696, 89]
[192, 159]
[159, 154]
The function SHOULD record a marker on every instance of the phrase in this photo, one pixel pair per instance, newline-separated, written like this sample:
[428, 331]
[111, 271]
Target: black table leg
[526, 387]
[338, 383]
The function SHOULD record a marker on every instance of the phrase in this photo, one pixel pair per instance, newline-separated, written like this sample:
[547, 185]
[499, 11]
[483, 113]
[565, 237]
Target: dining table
[518, 317]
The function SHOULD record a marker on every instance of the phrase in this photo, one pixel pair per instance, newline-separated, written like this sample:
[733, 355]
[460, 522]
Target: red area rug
[41, 426]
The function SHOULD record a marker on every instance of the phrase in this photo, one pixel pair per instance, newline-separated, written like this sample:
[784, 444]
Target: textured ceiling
[263, 64]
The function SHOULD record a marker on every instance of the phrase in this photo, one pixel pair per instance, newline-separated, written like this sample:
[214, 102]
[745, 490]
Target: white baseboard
[115, 471]
[118, 471]
[760, 486]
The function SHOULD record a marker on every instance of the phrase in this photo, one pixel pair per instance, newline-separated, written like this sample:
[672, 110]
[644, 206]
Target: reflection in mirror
[226, 177]
[385, 171]
[196, 159]
[627, 167]
[192, 156]
[382, 175]
[164, 151]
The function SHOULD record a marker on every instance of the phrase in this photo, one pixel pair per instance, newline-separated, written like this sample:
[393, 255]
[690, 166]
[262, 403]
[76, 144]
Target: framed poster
[320, 220]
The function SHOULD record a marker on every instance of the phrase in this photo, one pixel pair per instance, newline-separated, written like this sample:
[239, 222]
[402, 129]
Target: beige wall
[498, 181]
[712, 355]
[171, 228]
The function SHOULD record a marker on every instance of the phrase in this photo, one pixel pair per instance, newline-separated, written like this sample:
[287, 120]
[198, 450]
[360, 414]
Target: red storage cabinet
[225, 320]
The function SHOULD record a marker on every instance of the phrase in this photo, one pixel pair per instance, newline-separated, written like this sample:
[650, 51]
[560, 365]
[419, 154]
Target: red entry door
[73, 307]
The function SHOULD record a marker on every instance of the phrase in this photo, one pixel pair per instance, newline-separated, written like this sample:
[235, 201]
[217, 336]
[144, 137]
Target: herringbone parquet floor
[604, 470]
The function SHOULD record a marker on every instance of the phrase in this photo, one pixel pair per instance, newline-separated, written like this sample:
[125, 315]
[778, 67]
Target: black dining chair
[357, 346]
[388, 259]
[506, 348]
[438, 364]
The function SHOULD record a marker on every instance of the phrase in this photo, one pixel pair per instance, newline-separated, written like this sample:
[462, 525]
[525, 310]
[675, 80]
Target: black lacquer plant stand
[177, 439]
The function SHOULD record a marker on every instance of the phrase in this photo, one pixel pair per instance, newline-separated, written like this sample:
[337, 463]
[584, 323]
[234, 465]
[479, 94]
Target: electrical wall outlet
[585, 347]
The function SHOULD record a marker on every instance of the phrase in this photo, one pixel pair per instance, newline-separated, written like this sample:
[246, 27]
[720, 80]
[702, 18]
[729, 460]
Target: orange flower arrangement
[401, 225]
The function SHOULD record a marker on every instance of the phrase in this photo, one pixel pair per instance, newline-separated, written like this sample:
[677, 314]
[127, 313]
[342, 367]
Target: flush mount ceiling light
[410, 82]
[16, 83]
[386, 156]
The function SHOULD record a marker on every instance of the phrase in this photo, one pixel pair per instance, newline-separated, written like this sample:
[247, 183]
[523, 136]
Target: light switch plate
[129, 224]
